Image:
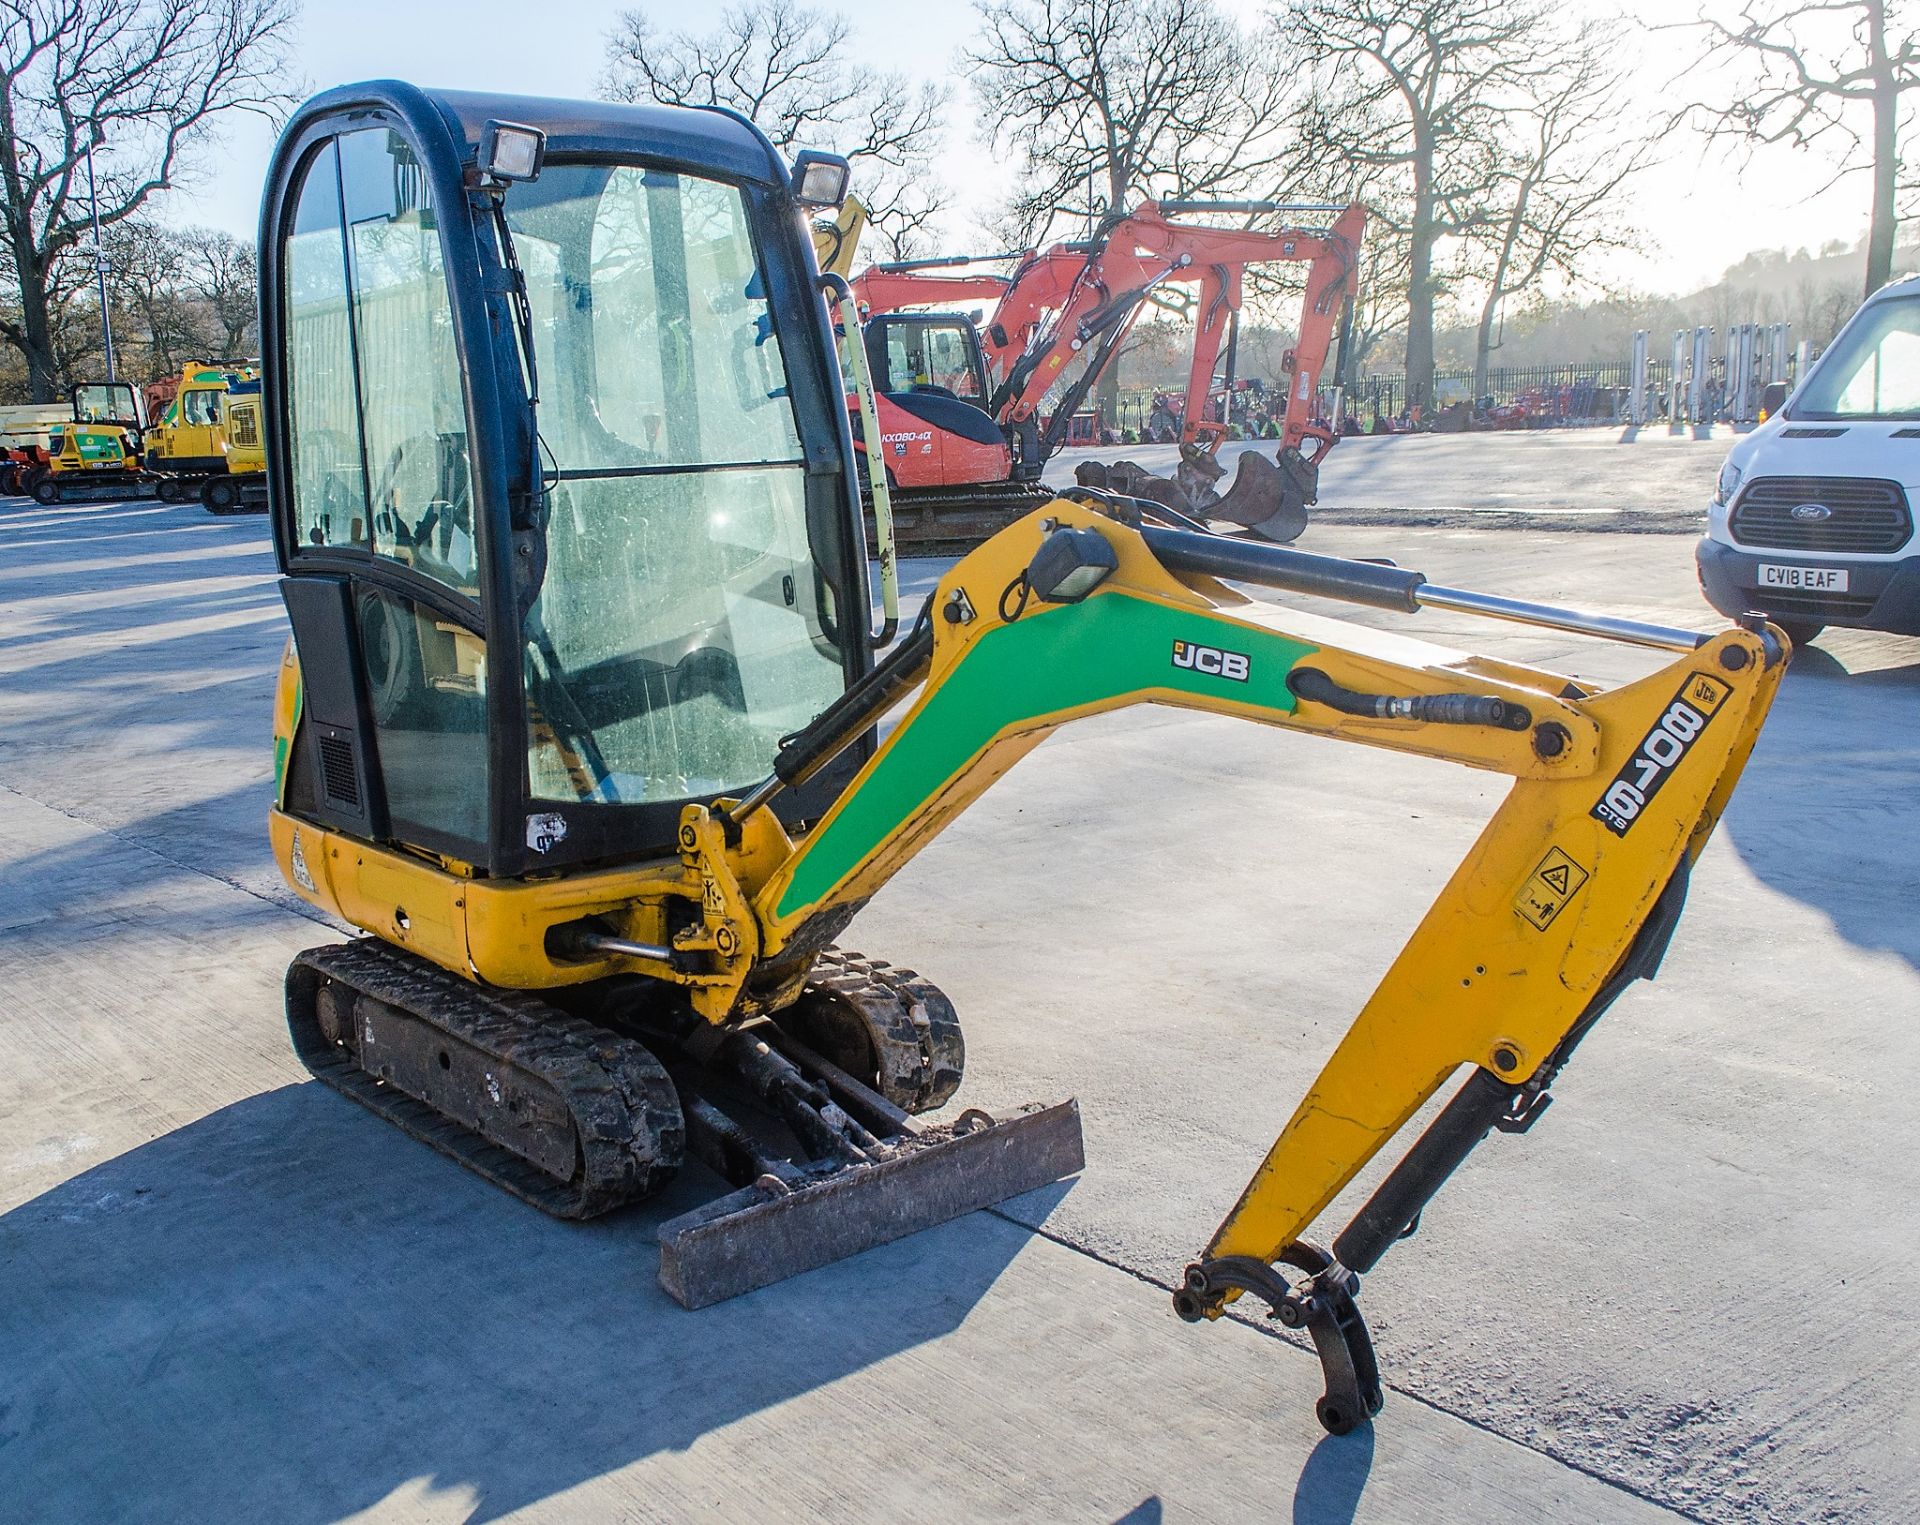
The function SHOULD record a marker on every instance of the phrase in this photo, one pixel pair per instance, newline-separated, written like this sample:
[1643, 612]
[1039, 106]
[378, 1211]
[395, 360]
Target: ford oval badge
[1810, 512]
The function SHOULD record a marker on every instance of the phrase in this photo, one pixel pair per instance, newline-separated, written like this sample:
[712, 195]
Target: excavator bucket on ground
[1266, 497]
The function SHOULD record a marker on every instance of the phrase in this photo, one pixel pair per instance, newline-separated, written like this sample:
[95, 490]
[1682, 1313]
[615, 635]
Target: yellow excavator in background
[580, 722]
[190, 445]
[242, 488]
[102, 445]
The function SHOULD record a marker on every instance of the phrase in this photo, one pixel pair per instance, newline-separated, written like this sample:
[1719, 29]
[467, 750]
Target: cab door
[382, 544]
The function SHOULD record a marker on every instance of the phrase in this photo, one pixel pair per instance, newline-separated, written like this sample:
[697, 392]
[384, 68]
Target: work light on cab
[510, 151]
[820, 180]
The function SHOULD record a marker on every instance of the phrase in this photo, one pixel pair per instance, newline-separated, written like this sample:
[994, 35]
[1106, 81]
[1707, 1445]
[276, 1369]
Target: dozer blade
[771, 1230]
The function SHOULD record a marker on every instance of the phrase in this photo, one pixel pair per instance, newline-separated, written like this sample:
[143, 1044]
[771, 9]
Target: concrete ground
[1652, 479]
[228, 1294]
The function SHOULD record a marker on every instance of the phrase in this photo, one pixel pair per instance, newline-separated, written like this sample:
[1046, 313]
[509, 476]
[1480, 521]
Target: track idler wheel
[887, 1027]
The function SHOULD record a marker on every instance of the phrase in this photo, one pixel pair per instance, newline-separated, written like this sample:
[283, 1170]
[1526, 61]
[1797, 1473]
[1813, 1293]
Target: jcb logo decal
[1211, 660]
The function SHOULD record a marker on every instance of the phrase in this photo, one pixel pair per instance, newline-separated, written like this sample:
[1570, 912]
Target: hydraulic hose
[1316, 687]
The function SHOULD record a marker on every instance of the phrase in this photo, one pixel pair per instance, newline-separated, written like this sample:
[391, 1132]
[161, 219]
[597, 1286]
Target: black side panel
[337, 726]
[950, 414]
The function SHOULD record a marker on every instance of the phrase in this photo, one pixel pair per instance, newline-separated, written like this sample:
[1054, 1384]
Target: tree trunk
[36, 322]
[1496, 291]
[1483, 347]
[1420, 280]
[1106, 393]
[1886, 162]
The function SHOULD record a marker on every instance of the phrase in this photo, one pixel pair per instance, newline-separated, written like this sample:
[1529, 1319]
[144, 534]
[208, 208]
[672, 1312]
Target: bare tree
[1557, 183]
[1100, 103]
[151, 309]
[1829, 74]
[177, 295]
[792, 71]
[140, 83]
[221, 272]
[1379, 301]
[1415, 93]
[1114, 100]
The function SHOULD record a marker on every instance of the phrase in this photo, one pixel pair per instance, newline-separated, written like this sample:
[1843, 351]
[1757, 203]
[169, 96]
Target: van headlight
[1728, 484]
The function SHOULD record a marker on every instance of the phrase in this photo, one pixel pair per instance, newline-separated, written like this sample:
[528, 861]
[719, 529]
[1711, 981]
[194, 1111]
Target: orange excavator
[970, 411]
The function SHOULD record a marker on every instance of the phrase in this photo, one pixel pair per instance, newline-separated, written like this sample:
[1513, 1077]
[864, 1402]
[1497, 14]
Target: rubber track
[940, 521]
[913, 1026]
[629, 1133]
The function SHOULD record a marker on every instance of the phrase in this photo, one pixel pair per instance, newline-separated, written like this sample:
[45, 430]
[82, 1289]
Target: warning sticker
[1550, 886]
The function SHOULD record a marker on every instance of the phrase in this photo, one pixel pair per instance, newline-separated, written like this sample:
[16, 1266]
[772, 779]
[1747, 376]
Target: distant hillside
[1814, 292]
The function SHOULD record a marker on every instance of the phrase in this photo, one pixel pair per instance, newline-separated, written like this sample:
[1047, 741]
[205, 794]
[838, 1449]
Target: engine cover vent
[338, 773]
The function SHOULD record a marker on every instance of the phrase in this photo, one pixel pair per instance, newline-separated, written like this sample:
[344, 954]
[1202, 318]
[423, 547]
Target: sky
[1696, 213]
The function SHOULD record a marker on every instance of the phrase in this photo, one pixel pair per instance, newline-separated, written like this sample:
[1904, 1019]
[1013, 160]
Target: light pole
[100, 261]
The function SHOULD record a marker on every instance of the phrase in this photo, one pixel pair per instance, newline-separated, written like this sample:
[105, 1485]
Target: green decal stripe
[1057, 659]
[283, 745]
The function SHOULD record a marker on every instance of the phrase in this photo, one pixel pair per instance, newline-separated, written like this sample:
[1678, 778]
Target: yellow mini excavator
[580, 722]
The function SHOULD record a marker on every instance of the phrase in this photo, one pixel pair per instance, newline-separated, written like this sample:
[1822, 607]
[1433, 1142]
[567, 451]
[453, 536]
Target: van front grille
[1864, 515]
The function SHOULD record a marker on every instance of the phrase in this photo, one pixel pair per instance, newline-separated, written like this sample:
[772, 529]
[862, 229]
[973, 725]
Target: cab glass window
[380, 460]
[105, 402]
[202, 406]
[329, 481]
[379, 465]
[677, 635]
[414, 422]
[426, 685]
[930, 354]
[1873, 369]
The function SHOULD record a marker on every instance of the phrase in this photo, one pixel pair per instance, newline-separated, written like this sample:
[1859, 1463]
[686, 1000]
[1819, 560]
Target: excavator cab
[929, 353]
[561, 498]
[559, 472]
[101, 447]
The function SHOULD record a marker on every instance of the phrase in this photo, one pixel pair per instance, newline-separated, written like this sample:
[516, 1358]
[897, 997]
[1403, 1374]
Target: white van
[1811, 523]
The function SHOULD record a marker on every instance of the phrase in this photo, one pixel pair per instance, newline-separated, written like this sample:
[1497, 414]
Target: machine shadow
[221, 837]
[1333, 1479]
[287, 1311]
[1821, 824]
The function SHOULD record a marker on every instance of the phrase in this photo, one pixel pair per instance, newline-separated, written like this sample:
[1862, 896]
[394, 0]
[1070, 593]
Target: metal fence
[1703, 376]
[1521, 395]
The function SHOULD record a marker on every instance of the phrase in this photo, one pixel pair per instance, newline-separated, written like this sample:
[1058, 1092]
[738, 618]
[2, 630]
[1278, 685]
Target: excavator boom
[1571, 892]
[1073, 304]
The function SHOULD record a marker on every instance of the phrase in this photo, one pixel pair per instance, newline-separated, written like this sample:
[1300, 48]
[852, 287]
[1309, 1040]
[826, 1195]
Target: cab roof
[715, 139]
